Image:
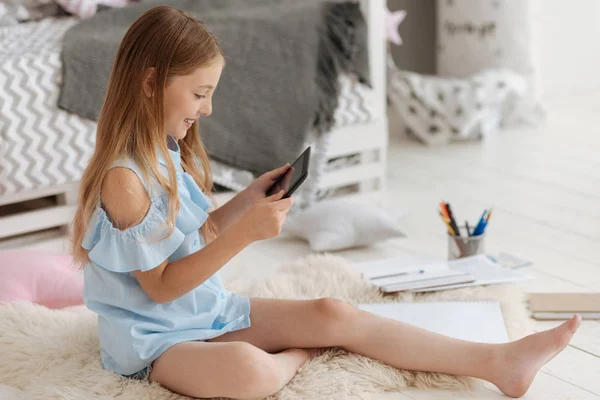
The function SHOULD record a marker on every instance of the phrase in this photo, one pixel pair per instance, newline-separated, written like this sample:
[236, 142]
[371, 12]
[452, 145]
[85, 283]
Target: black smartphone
[293, 178]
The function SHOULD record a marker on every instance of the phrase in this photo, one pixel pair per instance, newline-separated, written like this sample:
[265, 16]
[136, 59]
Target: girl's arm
[170, 281]
[126, 202]
[231, 211]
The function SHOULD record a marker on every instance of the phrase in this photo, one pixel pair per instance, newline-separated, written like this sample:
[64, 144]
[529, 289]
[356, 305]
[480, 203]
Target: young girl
[152, 248]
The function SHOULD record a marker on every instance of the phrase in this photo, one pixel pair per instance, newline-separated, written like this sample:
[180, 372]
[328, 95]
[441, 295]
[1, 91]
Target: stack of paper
[410, 273]
[564, 305]
[422, 275]
[484, 271]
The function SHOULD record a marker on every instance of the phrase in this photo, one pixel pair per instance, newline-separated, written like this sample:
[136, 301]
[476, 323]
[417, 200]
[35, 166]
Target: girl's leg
[280, 324]
[237, 369]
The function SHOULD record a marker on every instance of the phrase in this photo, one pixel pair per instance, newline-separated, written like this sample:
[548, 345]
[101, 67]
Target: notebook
[478, 321]
[410, 273]
[565, 305]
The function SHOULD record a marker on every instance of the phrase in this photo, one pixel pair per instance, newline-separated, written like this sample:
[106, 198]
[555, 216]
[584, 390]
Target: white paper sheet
[474, 321]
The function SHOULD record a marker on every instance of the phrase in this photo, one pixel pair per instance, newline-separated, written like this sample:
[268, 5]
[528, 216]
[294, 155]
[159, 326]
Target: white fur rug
[50, 354]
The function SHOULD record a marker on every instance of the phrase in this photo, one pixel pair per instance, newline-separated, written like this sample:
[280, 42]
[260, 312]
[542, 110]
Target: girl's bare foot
[520, 361]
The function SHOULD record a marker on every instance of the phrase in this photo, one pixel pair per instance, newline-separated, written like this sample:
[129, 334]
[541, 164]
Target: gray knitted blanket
[283, 59]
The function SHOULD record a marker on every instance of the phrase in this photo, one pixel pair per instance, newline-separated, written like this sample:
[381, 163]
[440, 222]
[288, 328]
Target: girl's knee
[334, 317]
[335, 310]
[338, 322]
[257, 372]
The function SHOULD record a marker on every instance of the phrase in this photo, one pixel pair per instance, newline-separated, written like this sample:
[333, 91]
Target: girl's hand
[264, 219]
[257, 190]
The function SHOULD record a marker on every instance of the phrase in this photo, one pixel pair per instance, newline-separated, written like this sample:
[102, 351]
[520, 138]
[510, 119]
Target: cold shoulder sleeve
[151, 241]
[141, 247]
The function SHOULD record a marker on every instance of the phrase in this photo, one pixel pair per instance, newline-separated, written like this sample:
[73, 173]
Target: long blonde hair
[132, 125]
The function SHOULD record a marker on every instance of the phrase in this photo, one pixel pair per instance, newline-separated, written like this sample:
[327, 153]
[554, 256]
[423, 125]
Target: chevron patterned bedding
[42, 145]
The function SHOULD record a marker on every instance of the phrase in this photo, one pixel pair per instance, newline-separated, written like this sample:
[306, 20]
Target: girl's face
[188, 97]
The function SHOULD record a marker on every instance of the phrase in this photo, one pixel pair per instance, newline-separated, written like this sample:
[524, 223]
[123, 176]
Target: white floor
[544, 185]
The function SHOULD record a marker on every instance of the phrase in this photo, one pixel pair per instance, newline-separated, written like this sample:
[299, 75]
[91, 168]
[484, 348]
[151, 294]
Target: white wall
[570, 48]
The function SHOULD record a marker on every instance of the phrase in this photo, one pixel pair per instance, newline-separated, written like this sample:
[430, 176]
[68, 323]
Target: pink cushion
[41, 277]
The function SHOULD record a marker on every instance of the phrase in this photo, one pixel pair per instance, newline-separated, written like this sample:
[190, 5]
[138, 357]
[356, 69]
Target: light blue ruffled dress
[134, 330]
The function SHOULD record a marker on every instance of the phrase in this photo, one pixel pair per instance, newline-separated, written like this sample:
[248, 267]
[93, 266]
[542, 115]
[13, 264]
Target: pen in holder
[465, 246]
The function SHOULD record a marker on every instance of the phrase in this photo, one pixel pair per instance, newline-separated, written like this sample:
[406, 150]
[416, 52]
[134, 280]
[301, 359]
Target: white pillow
[336, 224]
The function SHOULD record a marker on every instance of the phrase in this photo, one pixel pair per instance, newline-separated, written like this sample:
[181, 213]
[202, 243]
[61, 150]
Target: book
[476, 321]
[409, 273]
[565, 305]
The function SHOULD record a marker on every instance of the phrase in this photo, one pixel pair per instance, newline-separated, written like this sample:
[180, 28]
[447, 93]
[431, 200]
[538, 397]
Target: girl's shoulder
[124, 197]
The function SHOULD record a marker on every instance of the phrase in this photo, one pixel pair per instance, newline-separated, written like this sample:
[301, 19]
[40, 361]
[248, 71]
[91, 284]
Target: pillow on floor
[41, 277]
[336, 224]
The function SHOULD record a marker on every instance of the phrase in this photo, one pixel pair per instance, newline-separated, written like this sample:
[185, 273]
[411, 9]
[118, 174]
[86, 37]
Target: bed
[44, 149]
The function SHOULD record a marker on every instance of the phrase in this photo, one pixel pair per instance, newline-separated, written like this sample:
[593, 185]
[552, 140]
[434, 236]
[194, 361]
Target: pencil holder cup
[459, 246]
